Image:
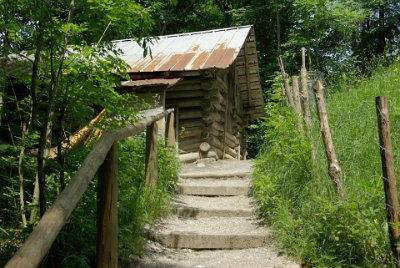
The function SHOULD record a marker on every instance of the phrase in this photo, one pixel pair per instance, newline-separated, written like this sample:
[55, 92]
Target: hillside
[298, 198]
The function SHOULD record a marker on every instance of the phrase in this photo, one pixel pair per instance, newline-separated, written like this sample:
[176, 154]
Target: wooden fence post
[334, 169]
[151, 167]
[286, 87]
[170, 130]
[305, 101]
[297, 104]
[389, 178]
[289, 92]
[107, 211]
[304, 94]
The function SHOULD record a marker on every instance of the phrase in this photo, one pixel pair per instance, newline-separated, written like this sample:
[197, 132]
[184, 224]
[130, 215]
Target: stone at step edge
[195, 212]
[210, 233]
[214, 187]
[190, 240]
[213, 190]
[215, 174]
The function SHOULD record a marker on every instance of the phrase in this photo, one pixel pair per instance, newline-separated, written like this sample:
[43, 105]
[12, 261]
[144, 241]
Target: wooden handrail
[42, 237]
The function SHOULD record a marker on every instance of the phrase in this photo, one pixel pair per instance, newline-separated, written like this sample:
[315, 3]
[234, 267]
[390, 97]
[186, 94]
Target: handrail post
[151, 166]
[170, 130]
[107, 211]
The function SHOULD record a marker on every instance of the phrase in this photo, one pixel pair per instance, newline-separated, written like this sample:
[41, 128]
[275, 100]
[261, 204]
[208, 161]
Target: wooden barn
[211, 79]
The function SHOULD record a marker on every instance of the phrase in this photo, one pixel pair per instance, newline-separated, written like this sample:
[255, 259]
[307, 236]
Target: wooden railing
[102, 158]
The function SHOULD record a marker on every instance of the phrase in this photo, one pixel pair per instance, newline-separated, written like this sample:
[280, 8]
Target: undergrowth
[138, 205]
[295, 195]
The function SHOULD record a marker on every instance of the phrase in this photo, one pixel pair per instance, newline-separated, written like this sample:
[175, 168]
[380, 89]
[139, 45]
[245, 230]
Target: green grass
[298, 199]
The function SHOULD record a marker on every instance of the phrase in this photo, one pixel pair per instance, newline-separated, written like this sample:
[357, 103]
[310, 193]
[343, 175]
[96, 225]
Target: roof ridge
[189, 33]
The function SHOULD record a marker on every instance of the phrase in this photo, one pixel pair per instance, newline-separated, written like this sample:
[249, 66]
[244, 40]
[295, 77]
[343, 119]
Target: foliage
[297, 198]
[139, 205]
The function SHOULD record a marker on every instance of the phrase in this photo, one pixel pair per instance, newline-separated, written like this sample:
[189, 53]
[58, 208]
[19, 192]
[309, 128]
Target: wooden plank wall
[249, 79]
[187, 97]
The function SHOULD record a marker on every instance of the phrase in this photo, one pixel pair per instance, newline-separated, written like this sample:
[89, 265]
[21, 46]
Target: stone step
[156, 255]
[216, 174]
[222, 206]
[214, 187]
[210, 233]
[218, 169]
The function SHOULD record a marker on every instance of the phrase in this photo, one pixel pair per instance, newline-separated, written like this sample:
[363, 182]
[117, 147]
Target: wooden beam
[184, 94]
[107, 212]
[186, 103]
[190, 113]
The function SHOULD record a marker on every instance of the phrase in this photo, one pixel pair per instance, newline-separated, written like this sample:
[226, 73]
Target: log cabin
[211, 79]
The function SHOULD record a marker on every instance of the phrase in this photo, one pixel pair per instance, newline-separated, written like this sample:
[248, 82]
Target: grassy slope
[298, 199]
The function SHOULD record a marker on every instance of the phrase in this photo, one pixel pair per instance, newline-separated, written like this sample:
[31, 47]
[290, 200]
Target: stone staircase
[214, 222]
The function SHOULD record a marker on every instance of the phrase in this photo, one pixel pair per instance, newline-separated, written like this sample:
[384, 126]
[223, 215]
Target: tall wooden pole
[389, 178]
[297, 103]
[334, 170]
[107, 211]
[289, 92]
[305, 101]
[304, 94]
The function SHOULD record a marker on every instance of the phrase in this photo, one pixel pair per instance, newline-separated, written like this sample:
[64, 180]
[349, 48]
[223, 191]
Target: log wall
[210, 111]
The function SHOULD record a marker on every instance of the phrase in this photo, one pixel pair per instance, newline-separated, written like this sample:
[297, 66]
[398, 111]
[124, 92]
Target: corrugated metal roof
[186, 52]
[151, 82]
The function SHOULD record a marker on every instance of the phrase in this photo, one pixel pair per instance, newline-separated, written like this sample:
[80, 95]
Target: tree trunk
[46, 127]
[317, 57]
[278, 32]
[61, 122]
[21, 178]
[382, 30]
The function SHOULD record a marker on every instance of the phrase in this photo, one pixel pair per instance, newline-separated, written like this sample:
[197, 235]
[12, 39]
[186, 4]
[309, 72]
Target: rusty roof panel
[198, 61]
[229, 55]
[170, 62]
[183, 61]
[153, 64]
[214, 59]
[186, 52]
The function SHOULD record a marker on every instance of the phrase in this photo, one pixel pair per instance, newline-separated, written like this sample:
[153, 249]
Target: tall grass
[297, 198]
